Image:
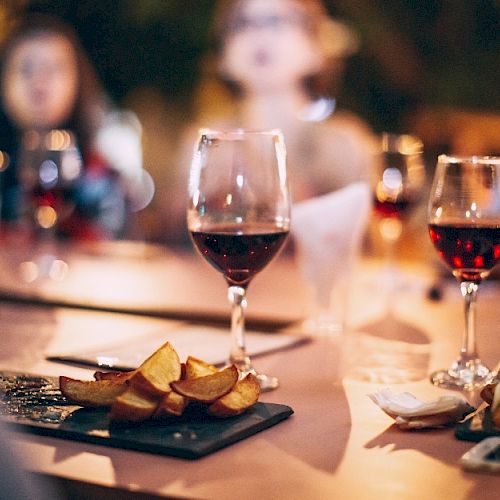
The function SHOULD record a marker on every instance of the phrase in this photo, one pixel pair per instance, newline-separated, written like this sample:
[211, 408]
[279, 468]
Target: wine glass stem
[390, 229]
[469, 293]
[238, 355]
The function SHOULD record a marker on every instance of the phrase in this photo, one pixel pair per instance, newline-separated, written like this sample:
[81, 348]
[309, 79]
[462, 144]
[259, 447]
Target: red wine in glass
[239, 252]
[392, 208]
[470, 250]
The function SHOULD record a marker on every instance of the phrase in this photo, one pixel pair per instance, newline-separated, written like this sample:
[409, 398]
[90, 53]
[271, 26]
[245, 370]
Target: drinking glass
[398, 180]
[464, 226]
[239, 216]
[50, 166]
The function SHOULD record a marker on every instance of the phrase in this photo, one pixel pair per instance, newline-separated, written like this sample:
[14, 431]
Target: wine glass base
[464, 378]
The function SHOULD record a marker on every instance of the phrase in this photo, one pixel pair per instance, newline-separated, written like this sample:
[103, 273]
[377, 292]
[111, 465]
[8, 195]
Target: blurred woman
[280, 61]
[54, 109]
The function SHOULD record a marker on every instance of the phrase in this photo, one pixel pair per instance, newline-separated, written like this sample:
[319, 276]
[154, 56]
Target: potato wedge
[487, 392]
[133, 406]
[197, 368]
[245, 394]
[99, 375]
[495, 406]
[172, 404]
[208, 388]
[156, 372]
[91, 393]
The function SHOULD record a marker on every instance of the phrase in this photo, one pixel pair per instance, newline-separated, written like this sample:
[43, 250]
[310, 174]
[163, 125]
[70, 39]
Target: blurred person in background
[280, 61]
[51, 100]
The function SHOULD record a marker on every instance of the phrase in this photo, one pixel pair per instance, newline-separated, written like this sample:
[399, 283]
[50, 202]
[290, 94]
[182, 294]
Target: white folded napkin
[327, 232]
[412, 413]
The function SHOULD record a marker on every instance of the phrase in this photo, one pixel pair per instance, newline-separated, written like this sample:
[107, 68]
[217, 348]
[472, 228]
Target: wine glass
[398, 180]
[464, 226]
[239, 216]
[50, 166]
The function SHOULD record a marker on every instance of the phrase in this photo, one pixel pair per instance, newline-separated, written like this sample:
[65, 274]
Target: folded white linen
[412, 413]
[327, 232]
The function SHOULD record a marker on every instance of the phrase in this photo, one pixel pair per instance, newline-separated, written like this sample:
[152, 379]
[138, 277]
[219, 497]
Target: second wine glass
[398, 181]
[239, 216]
[464, 226]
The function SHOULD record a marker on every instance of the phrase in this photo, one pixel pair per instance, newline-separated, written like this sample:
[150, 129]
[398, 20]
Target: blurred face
[269, 46]
[40, 82]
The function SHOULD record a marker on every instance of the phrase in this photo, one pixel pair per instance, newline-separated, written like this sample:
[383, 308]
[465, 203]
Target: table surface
[338, 444]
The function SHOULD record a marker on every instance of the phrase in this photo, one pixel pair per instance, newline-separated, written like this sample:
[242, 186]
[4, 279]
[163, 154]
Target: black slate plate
[191, 436]
[464, 432]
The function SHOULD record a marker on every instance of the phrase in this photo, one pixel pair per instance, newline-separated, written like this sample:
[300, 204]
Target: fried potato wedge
[99, 375]
[495, 406]
[198, 368]
[162, 385]
[208, 388]
[172, 404]
[245, 394]
[155, 374]
[91, 393]
[133, 406]
[487, 392]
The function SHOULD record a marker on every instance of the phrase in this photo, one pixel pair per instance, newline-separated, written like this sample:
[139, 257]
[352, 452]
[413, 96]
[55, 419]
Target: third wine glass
[398, 179]
[464, 226]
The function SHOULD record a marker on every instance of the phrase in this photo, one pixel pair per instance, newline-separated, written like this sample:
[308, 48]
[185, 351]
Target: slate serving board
[191, 436]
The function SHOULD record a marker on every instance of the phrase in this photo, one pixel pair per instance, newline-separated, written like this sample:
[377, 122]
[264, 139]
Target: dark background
[414, 54]
[428, 67]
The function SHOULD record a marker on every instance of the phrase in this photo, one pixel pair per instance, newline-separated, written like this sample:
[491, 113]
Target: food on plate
[99, 375]
[491, 395]
[175, 404]
[163, 386]
[244, 394]
[208, 388]
[487, 392]
[155, 374]
[495, 406]
[133, 405]
[91, 393]
[198, 368]
[172, 404]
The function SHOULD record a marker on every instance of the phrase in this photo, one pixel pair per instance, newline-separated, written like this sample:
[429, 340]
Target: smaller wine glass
[398, 180]
[50, 166]
[464, 226]
[239, 216]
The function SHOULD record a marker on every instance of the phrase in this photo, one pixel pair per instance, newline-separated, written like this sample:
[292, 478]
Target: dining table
[335, 444]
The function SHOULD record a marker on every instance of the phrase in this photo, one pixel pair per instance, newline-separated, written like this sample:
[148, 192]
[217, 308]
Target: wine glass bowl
[239, 215]
[398, 183]
[464, 227]
[50, 165]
